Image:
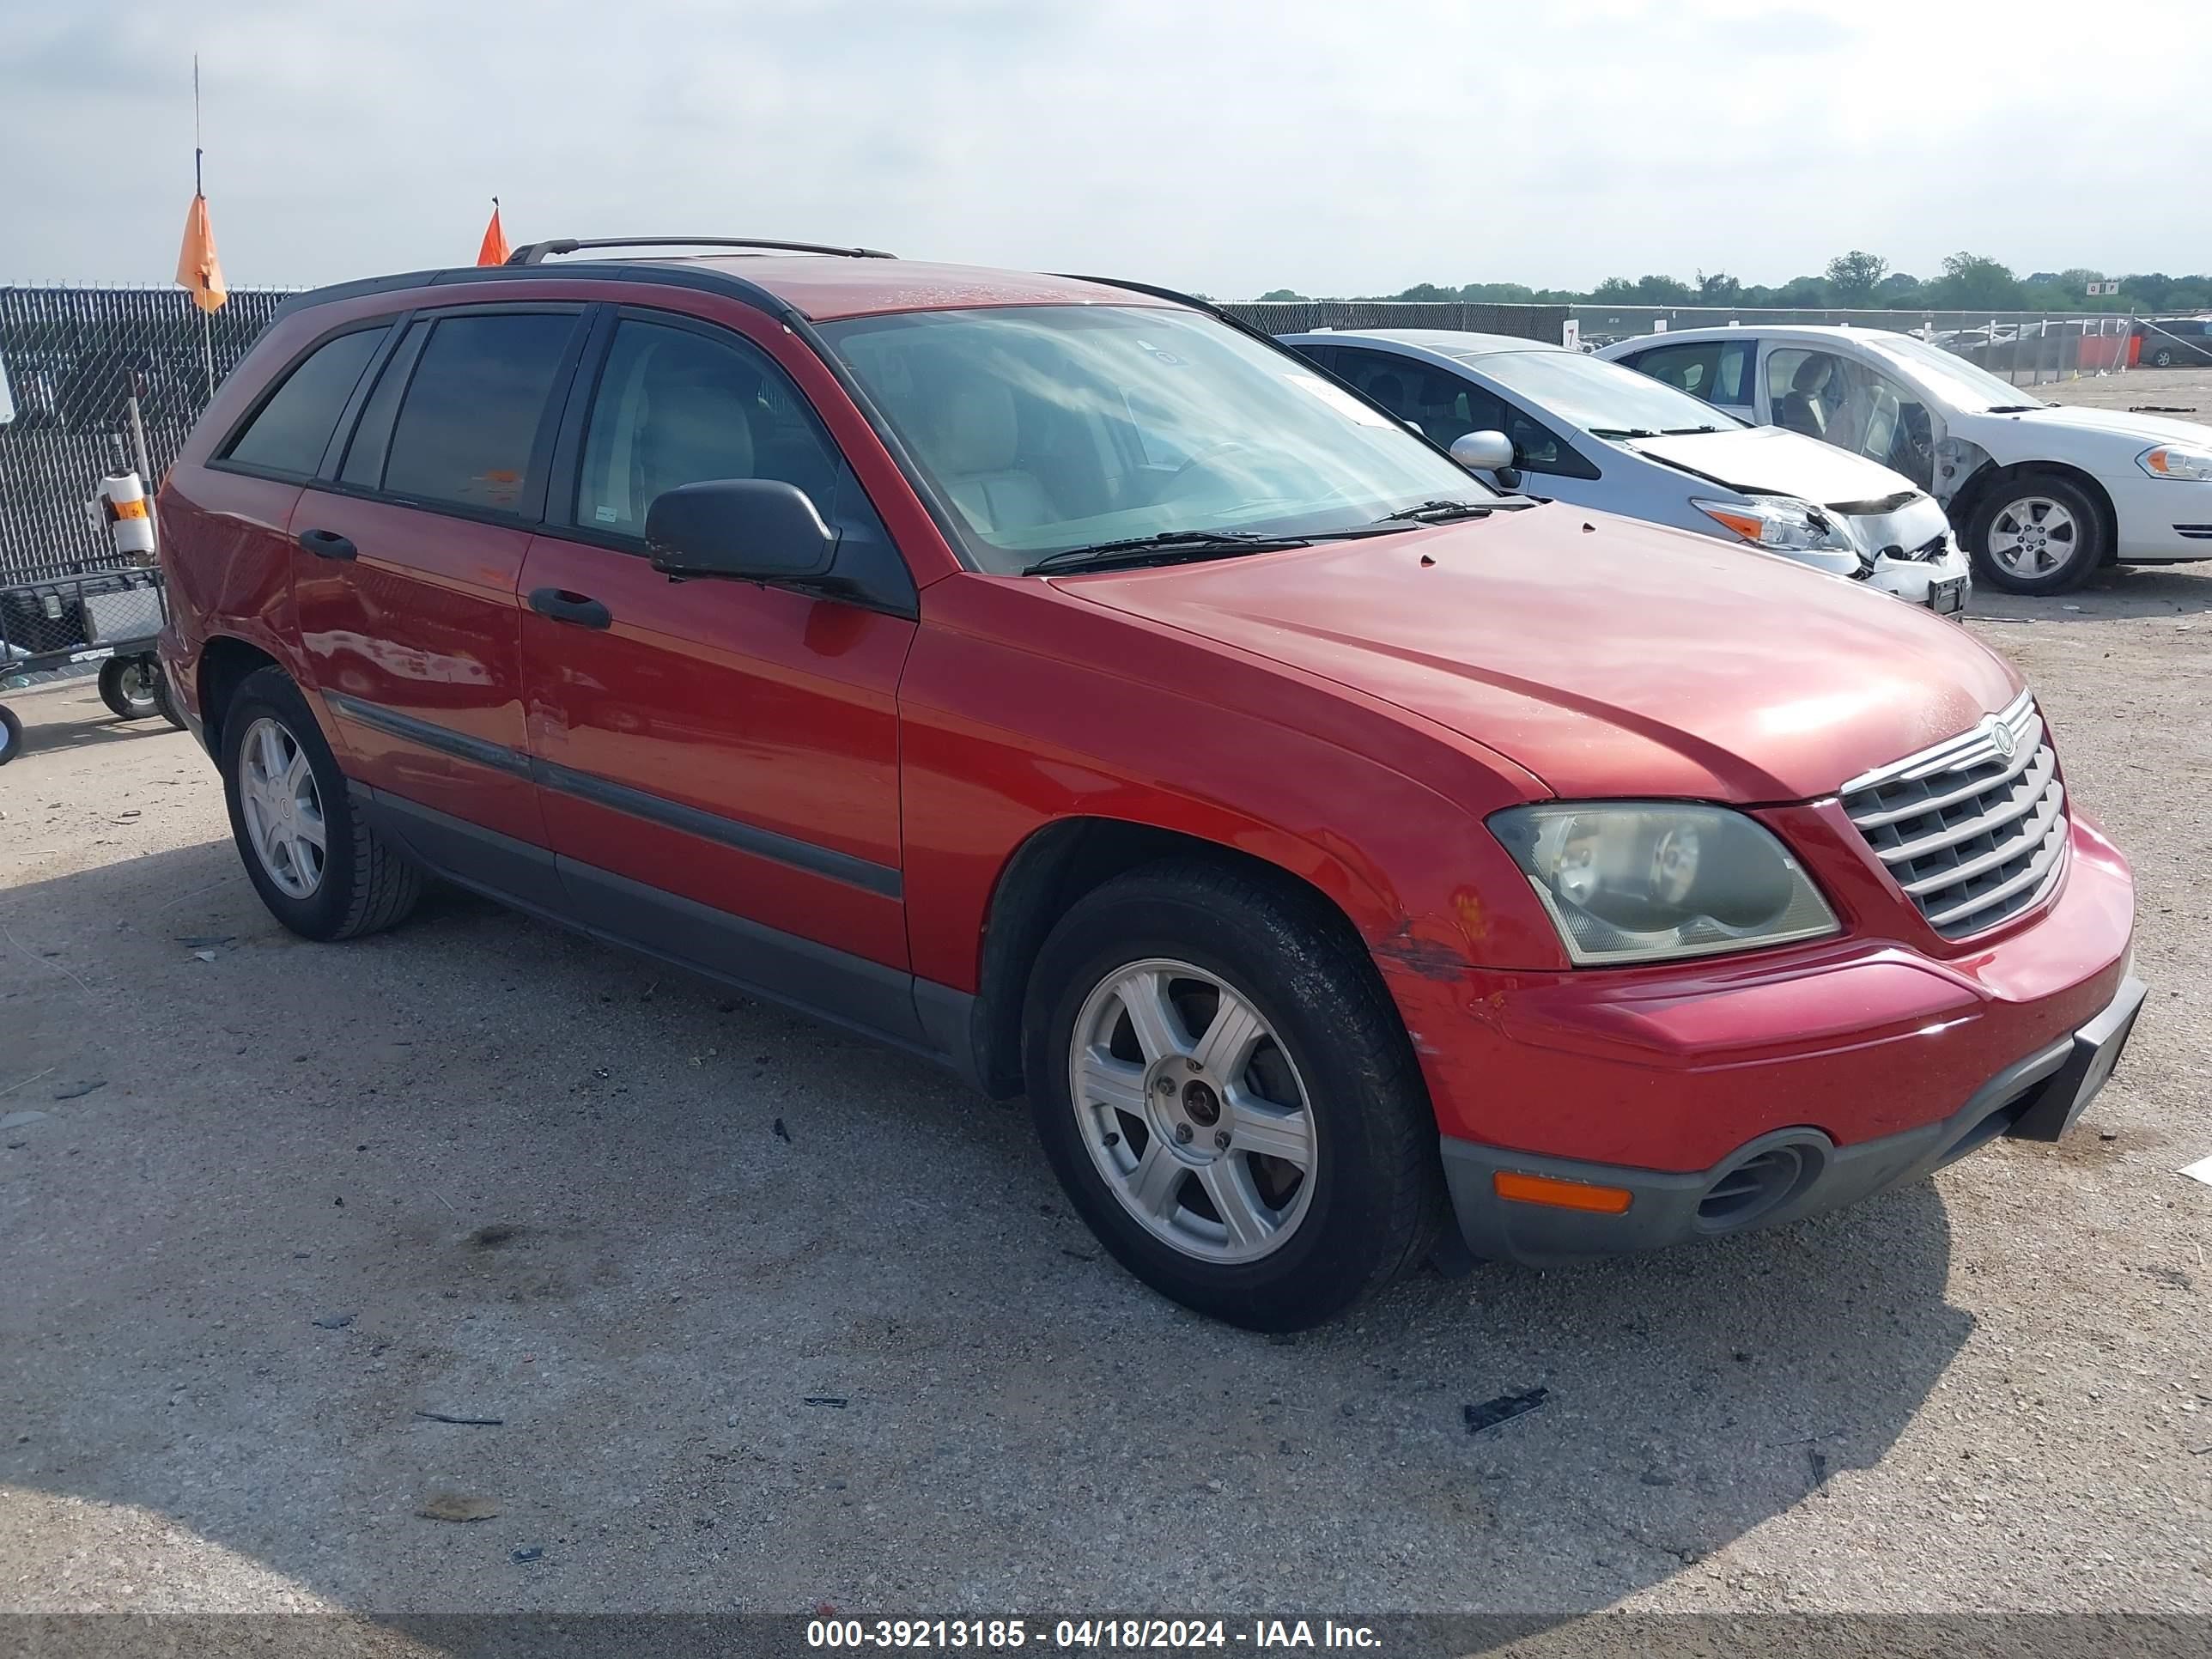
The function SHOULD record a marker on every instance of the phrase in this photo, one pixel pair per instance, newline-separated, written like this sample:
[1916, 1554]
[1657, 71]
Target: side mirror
[1483, 452]
[759, 529]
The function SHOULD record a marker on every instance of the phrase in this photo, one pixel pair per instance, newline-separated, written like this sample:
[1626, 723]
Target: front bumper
[2159, 519]
[1910, 579]
[1785, 1176]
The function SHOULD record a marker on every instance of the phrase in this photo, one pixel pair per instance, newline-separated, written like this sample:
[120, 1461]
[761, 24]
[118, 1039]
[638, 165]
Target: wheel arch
[225, 663]
[1046, 875]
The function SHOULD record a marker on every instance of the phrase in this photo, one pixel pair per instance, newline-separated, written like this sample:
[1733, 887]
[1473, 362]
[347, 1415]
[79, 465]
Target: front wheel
[1229, 1098]
[2036, 534]
[2162, 358]
[321, 869]
[11, 735]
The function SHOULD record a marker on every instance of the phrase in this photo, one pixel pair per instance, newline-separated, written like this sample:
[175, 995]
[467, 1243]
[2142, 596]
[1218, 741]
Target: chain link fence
[2027, 348]
[70, 361]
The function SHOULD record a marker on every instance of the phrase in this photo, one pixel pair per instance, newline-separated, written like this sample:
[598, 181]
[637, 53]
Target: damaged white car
[1535, 418]
[2041, 494]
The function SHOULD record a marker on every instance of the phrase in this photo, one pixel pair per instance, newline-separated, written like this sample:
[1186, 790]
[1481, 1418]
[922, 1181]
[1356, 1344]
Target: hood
[1608, 657]
[1764, 460]
[2142, 430]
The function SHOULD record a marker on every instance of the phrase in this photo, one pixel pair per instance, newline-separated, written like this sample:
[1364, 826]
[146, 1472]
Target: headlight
[1643, 882]
[2167, 461]
[1778, 522]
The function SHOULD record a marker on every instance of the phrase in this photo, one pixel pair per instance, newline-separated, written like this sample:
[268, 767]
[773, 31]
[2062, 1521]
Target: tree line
[1969, 281]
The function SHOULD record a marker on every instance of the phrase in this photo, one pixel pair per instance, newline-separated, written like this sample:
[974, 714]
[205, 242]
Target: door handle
[562, 605]
[327, 544]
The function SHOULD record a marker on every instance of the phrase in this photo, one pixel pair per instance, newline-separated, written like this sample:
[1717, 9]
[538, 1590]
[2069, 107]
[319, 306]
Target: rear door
[712, 749]
[410, 549]
[1721, 372]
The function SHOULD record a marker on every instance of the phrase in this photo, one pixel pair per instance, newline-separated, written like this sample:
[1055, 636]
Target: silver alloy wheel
[1193, 1111]
[2034, 535]
[282, 808]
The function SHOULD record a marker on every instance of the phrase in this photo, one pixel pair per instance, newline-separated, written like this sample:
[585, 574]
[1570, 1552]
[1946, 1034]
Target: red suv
[1053, 678]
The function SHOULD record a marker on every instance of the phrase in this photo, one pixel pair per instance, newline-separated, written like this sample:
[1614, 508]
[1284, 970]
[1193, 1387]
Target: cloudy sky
[1327, 145]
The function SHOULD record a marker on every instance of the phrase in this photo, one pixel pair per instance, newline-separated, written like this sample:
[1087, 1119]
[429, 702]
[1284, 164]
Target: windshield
[1046, 427]
[1953, 380]
[1598, 396]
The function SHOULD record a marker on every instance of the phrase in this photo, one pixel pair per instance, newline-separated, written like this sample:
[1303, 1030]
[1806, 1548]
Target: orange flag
[495, 249]
[198, 268]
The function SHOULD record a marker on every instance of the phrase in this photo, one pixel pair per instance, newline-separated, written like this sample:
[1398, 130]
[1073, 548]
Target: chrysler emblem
[2002, 740]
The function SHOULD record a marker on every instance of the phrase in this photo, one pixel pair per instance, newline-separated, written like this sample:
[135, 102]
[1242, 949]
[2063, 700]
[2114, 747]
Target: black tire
[2162, 358]
[364, 885]
[11, 735]
[2001, 509]
[1378, 1202]
[165, 699]
[129, 686]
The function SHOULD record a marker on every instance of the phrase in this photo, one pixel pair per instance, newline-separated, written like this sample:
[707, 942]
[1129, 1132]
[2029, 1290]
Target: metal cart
[111, 617]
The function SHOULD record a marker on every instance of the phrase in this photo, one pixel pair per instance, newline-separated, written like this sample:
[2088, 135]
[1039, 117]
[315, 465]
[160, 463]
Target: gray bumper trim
[1665, 1207]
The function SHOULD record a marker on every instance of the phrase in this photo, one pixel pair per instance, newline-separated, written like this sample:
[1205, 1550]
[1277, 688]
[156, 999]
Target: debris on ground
[837, 1401]
[493, 1234]
[447, 1417]
[205, 941]
[2200, 1170]
[17, 1120]
[781, 1134]
[1491, 1412]
[335, 1322]
[530, 1552]
[78, 1090]
[455, 1506]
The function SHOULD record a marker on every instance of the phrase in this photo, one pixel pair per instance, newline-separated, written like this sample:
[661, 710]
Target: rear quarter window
[289, 432]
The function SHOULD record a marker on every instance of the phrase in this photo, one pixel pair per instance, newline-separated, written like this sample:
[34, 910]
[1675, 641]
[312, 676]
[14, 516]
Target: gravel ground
[2184, 392]
[771, 1318]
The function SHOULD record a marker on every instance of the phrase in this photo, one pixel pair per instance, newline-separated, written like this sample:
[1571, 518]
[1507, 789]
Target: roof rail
[532, 253]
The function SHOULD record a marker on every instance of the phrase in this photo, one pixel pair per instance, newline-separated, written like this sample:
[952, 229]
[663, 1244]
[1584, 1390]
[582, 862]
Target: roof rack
[532, 253]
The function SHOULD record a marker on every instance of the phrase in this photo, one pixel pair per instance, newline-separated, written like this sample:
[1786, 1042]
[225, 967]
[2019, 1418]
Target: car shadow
[770, 1318]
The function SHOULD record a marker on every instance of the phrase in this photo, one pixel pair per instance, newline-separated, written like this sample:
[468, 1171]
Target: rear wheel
[2036, 534]
[1229, 1098]
[319, 868]
[2162, 358]
[11, 735]
[131, 686]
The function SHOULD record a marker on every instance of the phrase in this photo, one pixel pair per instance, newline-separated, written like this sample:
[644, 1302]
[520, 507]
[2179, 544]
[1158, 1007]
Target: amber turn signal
[1561, 1195]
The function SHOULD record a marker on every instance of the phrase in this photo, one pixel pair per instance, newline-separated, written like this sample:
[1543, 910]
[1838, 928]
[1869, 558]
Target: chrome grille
[1973, 835]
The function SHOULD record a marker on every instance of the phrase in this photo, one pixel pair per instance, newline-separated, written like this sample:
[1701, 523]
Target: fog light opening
[1753, 1188]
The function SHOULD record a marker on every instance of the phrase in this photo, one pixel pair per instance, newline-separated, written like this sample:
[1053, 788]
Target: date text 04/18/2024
[1259, 1634]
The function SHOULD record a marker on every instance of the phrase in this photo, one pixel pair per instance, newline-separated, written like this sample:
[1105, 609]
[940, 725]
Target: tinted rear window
[289, 433]
[472, 410]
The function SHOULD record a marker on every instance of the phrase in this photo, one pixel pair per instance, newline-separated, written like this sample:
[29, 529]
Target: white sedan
[2041, 494]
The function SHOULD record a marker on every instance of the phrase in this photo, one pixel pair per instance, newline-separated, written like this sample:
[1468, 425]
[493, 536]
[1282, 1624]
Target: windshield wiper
[1439, 512]
[2011, 409]
[1687, 431]
[1167, 544]
[1622, 431]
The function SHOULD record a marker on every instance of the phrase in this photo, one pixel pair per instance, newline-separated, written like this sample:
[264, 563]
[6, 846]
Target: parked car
[1573, 428]
[1053, 678]
[2042, 494]
[2172, 341]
